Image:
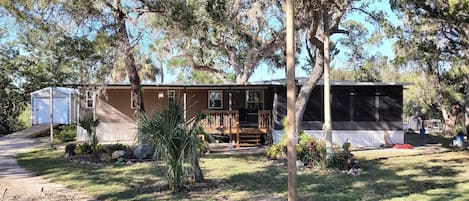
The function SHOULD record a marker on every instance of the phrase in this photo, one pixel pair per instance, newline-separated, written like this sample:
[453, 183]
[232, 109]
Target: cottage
[367, 114]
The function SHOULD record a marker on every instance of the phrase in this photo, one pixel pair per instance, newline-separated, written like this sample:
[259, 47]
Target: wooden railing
[264, 118]
[220, 119]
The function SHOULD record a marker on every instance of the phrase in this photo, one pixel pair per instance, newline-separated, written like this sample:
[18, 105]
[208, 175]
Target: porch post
[230, 103]
[185, 104]
[51, 110]
[275, 107]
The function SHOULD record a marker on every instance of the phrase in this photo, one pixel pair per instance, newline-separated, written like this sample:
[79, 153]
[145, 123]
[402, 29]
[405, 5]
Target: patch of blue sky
[384, 48]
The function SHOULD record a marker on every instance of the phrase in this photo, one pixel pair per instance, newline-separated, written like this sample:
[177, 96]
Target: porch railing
[264, 118]
[220, 119]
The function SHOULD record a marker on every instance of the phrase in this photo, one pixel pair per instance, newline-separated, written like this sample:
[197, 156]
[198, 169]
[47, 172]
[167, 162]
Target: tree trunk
[307, 88]
[291, 102]
[130, 66]
[327, 91]
[449, 118]
[198, 175]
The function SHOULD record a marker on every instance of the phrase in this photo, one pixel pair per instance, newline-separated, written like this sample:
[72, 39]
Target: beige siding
[118, 121]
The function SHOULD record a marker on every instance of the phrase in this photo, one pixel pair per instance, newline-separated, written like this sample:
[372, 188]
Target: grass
[437, 176]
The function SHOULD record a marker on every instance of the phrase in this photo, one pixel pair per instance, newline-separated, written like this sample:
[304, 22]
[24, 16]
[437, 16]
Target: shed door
[42, 113]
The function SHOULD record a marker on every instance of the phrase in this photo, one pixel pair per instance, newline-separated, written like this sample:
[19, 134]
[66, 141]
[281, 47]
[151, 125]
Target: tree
[225, 38]
[11, 103]
[435, 39]
[355, 42]
[93, 20]
[312, 15]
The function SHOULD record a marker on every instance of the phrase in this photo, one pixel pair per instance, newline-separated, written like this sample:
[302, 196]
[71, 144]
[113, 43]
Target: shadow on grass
[378, 182]
[417, 140]
[382, 179]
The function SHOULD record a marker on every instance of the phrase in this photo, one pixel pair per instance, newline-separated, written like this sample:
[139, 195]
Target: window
[215, 99]
[254, 100]
[171, 95]
[90, 98]
[132, 101]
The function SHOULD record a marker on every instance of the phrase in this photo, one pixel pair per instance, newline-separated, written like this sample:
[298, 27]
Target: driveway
[17, 183]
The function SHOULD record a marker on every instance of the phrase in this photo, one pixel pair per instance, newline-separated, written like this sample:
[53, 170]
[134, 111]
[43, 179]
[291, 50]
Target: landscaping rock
[118, 154]
[105, 157]
[300, 165]
[144, 151]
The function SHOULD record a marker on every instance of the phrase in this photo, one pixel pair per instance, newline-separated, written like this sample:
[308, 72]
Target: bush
[313, 152]
[65, 133]
[110, 148]
[100, 149]
[83, 149]
[274, 151]
[202, 146]
[459, 130]
[70, 149]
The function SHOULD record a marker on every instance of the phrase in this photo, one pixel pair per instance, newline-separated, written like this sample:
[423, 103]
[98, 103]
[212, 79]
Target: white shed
[64, 106]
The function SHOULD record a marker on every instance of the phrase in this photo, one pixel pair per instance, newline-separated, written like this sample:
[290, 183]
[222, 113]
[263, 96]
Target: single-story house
[367, 114]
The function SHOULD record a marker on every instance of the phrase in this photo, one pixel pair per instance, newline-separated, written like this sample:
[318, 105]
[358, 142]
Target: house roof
[264, 83]
[303, 80]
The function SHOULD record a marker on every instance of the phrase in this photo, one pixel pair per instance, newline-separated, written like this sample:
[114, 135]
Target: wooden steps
[249, 137]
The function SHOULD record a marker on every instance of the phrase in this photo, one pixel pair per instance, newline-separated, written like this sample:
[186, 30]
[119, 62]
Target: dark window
[340, 103]
[390, 103]
[314, 108]
[364, 104]
[90, 98]
[215, 99]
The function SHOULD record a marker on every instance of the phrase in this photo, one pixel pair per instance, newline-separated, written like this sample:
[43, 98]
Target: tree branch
[190, 58]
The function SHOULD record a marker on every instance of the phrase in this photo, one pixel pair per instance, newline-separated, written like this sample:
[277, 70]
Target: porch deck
[246, 133]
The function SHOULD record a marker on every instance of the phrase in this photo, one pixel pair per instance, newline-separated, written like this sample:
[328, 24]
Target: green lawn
[443, 176]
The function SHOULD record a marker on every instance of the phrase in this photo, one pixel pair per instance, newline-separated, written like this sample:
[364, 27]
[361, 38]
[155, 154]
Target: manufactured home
[367, 114]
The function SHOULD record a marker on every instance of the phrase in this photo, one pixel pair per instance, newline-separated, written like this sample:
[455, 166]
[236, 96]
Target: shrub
[65, 133]
[202, 146]
[346, 146]
[274, 151]
[83, 149]
[100, 149]
[459, 130]
[313, 152]
[70, 149]
[115, 147]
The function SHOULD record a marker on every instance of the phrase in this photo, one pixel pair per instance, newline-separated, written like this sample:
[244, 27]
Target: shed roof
[59, 90]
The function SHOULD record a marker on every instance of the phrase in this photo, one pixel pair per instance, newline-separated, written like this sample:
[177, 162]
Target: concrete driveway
[17, 183]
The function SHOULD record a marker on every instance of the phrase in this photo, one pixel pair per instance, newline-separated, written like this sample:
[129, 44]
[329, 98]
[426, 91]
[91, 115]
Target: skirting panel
[358, 138]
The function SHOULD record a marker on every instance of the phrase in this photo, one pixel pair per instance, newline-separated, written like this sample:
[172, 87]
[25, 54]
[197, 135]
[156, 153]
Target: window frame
[262, 101]
[132, 103]
[221, 99]
[173, 98]
[89, 93]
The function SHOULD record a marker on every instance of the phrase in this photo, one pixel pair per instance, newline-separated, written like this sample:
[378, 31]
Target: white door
[42, 113]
